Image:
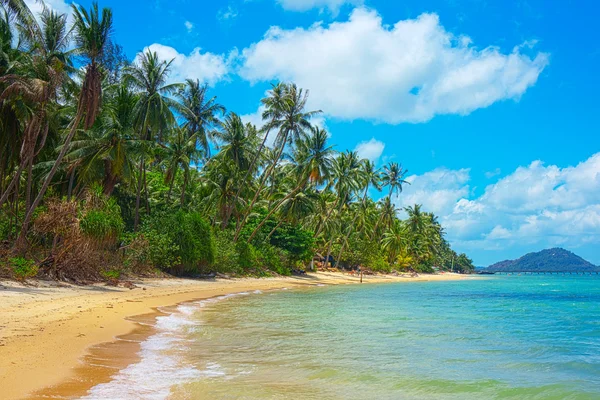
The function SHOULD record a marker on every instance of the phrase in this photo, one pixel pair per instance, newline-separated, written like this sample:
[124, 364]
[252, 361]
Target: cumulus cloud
[438, 190]
[57, 5]
[538, 204]
[406, 72]
[371, 150]
[207, 67]
[189, 26]
[305, 5]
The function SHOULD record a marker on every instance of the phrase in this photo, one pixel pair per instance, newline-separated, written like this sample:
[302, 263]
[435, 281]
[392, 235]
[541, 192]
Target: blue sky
[492, 106]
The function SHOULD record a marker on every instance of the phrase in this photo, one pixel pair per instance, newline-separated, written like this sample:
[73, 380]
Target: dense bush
[23, 268]
[103, 223]
[179, 243]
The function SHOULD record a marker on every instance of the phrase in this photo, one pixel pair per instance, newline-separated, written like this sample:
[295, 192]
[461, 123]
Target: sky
[492, 106]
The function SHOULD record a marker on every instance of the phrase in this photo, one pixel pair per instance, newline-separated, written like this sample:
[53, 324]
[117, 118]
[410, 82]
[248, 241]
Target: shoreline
[47, 332]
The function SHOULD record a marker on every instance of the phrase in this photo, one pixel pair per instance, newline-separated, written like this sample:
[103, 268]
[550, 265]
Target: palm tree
[199, 112]
[179, 155]
[273, 103]
[293, 123]
[392, 177]
[36, 79]
[107, 152]
[367, 176]
[92, 33]
[153, 111]
[314, 158]
[237, 145]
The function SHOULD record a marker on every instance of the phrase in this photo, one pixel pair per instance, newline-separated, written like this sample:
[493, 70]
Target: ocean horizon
[508, 337]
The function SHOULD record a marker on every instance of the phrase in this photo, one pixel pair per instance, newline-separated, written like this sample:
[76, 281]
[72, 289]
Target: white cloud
[305, 5]
[57, 5]
[438, 190]
[189, 26]
[491, 174]
[371, 150]
[536, 205]
[227, 13]
[407, 72]
[207, 67]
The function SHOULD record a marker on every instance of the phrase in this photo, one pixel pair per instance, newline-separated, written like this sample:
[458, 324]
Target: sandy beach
[46, 329]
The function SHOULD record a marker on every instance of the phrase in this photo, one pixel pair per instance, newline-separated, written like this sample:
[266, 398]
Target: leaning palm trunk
[138, 194]
[349, 232]
[28, 150]
[276, 207]
[88, 106]
[263, 180]
[250, 169]
[21, 241]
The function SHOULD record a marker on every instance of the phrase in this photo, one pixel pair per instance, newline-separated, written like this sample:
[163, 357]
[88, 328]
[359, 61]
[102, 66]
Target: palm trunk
[274, 209]
[274, 229]
[71, 181]
[183, 187]
[252, 165]
[29, 184]
[21, 241]
[328, 253]
[349, 232]
[263, 180]
[381, 217]
[27, 152]
[138, 196]
[146, 193]
[12, 183]
[337, 261]
[171, 188]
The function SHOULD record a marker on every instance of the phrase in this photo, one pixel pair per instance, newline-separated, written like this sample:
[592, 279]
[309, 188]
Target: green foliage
[111, 274]
[103, 223]
[180, 242]
[226, 254]
[295, 241]
[23, 268]
[145, 156]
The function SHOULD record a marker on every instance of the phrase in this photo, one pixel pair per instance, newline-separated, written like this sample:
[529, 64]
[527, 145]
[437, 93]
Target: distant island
[551, 260]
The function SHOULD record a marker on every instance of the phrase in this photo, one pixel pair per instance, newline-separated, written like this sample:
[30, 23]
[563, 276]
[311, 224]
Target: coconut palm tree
[179, 154]
[108, 151]
[32, 81]
[92, 32]
[314, 160]
[293, 123]
[199, 112]
[153, 111]
[367, 176]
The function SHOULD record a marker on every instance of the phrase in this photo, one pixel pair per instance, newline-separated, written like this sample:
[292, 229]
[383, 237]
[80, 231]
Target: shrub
[111, 274]
[23, 268]
[103, 224]
[179, 243]
[226, 254]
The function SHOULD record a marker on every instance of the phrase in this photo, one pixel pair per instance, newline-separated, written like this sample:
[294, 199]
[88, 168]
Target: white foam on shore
[161, 365]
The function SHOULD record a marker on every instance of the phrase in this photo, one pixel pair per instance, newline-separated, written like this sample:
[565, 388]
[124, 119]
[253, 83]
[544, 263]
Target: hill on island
[551, 260]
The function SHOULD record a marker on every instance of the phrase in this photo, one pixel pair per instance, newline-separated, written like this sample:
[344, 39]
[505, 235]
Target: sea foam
[162, 364]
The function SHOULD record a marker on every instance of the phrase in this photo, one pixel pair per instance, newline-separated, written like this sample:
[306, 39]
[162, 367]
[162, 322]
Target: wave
[161, 365]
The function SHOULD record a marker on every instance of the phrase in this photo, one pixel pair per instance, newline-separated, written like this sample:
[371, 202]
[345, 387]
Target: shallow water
[515, 337]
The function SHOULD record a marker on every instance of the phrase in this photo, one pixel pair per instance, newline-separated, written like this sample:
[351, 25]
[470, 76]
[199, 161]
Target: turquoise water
[516, 337]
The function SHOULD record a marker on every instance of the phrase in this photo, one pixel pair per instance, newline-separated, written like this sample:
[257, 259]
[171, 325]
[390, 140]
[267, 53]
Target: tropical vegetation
[109, 167]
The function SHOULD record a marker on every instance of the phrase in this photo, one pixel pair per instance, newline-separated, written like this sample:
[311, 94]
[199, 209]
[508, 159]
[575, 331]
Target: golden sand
[62, 340]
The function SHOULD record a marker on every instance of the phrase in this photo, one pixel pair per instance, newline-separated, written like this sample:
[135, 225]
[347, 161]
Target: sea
[496, 337]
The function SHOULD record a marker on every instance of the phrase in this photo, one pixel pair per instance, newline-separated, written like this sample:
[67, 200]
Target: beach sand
[50, 332]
